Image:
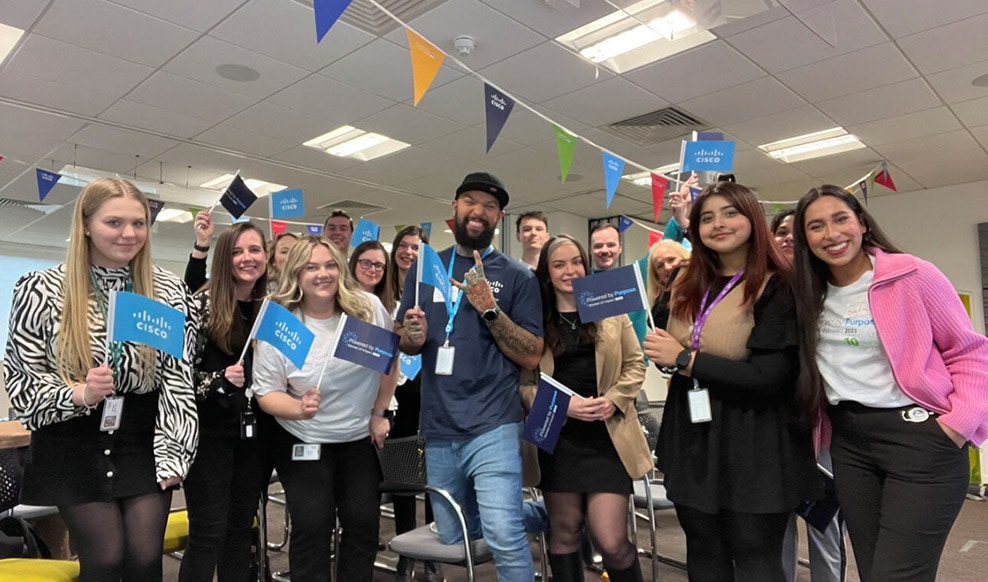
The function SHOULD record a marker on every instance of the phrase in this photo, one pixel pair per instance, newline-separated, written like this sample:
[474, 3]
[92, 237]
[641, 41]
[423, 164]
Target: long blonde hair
[656, 287]
[74, 354]
[349, 298]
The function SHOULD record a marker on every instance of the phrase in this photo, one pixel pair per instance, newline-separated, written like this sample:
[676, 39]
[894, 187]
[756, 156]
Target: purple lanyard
[706, 309]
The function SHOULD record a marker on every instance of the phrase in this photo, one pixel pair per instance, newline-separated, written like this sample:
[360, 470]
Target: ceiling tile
[961, 168]
[31, 89]
[250, 27]
[461, 101]
[905, 153]
[841, 75]
[278, 122]
[468, 144]
[155, 119]
[407, 124]
[735, 27]
[194, 14]
[548, 21]
[114, 30]
[21, 13]
[239, 140]
[121, 141]
[185, 96]
[905, 17]
[528, 128]
[318, 160]
[955, 85]
[972, 113]
[781, 126]
[905, 127]
[787, 43]
[57, 61]
[754, 167]
[606, 102]
[200, 61]
[543, 72]
[678, 78]
[981, 134]
[949, 46]
[858, 162]
[18, 120]
[881, 102]
[750, 100]
[331, 100]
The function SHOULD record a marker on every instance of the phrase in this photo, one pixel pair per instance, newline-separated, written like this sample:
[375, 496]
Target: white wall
[941, 226]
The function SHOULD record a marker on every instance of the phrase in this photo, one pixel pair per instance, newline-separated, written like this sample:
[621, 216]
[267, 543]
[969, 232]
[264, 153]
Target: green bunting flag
[566, 145]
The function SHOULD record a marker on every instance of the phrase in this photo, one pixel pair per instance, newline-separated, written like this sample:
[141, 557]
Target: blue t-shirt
[482, 392]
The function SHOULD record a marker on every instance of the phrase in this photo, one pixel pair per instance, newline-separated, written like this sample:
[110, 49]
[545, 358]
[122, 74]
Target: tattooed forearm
[517, 344]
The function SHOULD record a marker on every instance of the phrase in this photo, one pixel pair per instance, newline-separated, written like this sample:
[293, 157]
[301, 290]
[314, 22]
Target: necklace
[572, 324]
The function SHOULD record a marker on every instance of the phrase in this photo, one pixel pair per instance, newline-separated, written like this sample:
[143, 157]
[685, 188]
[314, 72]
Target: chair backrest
[650, 424]
[10, 478]
[403, 464]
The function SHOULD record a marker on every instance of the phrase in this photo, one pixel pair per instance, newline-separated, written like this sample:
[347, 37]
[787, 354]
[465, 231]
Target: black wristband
[199, 248]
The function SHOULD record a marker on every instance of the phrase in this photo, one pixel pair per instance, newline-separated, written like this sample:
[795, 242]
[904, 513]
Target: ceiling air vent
[354, 208]
[367, 17]
[657, 126]
[40, 208]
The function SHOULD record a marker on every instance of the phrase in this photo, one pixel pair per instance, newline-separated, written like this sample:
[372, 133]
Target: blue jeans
[491, 463]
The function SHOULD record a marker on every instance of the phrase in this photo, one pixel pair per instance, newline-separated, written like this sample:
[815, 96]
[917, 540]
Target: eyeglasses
[369, 264]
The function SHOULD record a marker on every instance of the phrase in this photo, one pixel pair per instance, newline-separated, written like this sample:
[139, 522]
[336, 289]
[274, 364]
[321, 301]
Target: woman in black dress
[113, 486]
[602, 446]
[734, 463]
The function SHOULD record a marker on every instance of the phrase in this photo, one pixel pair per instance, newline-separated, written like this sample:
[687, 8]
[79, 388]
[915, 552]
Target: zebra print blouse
[38, 395]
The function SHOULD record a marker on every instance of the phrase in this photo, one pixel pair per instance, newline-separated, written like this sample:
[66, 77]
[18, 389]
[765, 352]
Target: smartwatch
[683, 359]
[491, 315]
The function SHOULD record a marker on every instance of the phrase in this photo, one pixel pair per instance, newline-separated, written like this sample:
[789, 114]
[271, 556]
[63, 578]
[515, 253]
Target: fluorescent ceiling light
[645, 178]
[813, 145]
[8, 39]
[174, 215]
[258, 187]
[349, 142]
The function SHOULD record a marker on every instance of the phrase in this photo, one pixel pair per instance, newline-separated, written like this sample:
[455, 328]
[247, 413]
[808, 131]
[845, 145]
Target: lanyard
[706, 309]
[452, 311]
[116, 348]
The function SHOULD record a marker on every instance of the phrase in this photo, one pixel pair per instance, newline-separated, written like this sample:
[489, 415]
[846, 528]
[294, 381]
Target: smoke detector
[464, 45]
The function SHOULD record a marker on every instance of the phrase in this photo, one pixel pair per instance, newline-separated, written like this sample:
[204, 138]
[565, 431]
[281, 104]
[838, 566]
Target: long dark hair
[764, 257]
[226, 328]
[551, 320]
[382, 289]
[394, 277]
[810, 286]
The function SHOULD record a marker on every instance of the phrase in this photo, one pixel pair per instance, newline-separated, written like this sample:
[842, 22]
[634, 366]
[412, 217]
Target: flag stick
[253, 328]
[332, 348]
[223, 193]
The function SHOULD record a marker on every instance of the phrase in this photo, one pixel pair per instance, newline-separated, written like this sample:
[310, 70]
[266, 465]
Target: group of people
[782, 344]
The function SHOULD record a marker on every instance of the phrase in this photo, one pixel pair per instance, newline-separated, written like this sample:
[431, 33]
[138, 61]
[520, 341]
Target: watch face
[490, 315]
[684, 358]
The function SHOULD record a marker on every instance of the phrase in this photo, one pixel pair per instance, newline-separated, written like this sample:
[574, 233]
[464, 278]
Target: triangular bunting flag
[426, 61]
[327, 13]
[863, 184]
[398, 227]
[653, 237]
[46, 181]
[194, 212]
[613, 166]
[497, 107]
[314, 229]
[451, 225]
[624, 224]
[659, 185]
[883, 178]
[155, 206]
[566, 146]
[427, 227]
[278, 227]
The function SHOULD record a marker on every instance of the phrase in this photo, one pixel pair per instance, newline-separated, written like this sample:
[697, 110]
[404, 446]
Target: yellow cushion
[33, 570]
[176, 531]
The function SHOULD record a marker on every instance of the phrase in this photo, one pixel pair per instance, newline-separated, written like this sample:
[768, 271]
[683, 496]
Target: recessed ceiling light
[174, 215]
[812, 145]
[239, 73]
[8, 39]
[981, 81]
[349, 142]
[258, 187]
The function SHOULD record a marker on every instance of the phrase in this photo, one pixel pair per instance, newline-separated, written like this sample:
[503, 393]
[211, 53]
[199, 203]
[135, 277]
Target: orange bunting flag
[659, 185]
[426, 61]
[654, 236]
[883, 178]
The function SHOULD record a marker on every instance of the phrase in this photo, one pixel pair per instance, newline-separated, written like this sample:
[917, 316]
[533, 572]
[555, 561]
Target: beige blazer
[620, 373]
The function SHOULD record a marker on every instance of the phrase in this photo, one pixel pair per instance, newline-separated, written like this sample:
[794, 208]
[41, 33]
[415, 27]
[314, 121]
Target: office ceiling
[131, 87]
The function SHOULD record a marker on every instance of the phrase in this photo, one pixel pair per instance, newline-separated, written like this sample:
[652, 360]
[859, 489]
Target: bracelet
[200, 248]
[379, 412]
[84, 403]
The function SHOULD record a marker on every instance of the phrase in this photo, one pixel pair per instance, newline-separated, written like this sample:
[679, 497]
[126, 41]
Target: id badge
[699, 403]
[303, 452]
[444, 360]
[112, 409]
[248, 424]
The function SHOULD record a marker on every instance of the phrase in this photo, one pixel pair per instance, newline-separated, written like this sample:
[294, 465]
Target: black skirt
[73, 462]
[585, 461]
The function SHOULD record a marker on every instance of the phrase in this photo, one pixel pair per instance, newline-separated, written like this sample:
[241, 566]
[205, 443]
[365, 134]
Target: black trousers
[345, 481]
[732, 546]
[900, 486]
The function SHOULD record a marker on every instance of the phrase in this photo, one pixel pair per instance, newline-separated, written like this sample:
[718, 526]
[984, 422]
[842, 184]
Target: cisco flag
[135, 318]
[280, 328]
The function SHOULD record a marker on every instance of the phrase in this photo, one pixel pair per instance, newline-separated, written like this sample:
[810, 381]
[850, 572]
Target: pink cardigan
[936, 356]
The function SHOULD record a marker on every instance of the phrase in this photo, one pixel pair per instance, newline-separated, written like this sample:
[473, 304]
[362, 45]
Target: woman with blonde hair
[281, 243]
[114, 423]
[333, 413]
[665, 259]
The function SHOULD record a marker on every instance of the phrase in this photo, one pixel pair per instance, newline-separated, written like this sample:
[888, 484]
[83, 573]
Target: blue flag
[155, 206]
[610, 293]
[427, 227]
[364, 231]
[430, 270]
[410, 365]
[280, 328]
[613, 166]
[135, 318]
[287, 204]
[694, 192]
[624, 224]
[708, 156]
[327, 13]
[548, 415]
[237, 197]
[497, 107]
[366, 345]
[46, 181]
[708, 136]
[314, 229]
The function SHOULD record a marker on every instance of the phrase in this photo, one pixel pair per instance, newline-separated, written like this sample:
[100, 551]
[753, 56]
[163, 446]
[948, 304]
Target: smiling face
[407, 252]
[723, 229]
[116, 231]
[783, 237]
[281, 249]
[834, 235]
[370, 268]
[249, 258]
[475, 216]
[319, 279]
[605, 246]
[532, 234]
[664, 262]
[338, 230]
[565, 264]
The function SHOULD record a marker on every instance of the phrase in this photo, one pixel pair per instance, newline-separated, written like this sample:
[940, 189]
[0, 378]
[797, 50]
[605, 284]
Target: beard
[474, 243]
